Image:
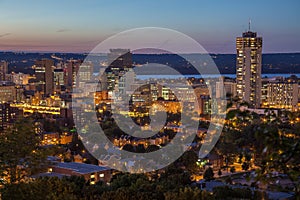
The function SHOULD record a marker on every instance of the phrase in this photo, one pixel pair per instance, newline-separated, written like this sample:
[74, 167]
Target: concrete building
[85, 73]
[118, 60]
[71, 69]
[9, 92]
[248, 68]
[8, 115]
[91, 173]
[44, 75]
[125, 82]
[280, 93]
[204, 104]
[283, 95]
[58, 76]
[3, 70]
[20, 78]
[229, 87]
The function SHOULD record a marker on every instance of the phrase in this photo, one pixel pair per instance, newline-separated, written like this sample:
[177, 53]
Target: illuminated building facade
[85, 73]
[204, 105]
[3, 70]
[91, 173]
[248, 68]
[9, 92]
[58, 77]
[282, 95]
[8, 115]
[20, 78]
[44, 75]
[228, 85]
[119, 60]
[72, 67]
[125, 81]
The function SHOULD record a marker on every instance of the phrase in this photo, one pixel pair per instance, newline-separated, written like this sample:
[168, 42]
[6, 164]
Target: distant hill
[272, 63]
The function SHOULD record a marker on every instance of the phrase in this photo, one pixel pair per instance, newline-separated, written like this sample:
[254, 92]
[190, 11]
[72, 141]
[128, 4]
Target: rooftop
[50, 174]
[81, 168]
[249, 34]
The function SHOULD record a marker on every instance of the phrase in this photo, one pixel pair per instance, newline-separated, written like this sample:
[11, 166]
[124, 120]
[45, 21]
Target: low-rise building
[91, 173]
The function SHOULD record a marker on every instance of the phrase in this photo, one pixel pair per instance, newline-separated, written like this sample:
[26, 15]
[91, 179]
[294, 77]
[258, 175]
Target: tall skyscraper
[44, 75]
[3, 70]
[71, 70]
[119, 60]
[248, 67]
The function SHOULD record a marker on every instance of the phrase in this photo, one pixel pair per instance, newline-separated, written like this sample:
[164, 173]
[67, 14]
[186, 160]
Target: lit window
[101, 175]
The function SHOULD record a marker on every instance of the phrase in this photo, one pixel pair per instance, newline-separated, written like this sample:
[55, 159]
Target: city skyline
[79, 27]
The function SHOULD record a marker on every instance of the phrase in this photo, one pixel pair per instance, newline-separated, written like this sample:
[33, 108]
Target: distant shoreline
[144, 77]
[279, 63]
[86, 53]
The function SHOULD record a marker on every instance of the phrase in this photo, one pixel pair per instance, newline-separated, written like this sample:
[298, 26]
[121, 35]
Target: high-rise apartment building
[248, 68]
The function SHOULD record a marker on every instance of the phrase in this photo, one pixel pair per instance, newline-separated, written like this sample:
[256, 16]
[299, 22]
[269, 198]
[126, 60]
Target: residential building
[248, 68]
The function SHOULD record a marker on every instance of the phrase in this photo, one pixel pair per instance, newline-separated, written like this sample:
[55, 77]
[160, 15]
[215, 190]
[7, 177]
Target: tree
[245, 166]
[20, 153]
[188, 160]
[186, 193]
[226, 192]
[68, 188]
[219, 172]
[232, 169]
[280, 153]
[208, 174]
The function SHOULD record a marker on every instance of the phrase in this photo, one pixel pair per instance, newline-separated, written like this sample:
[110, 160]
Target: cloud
[62, 30]
[5, 34]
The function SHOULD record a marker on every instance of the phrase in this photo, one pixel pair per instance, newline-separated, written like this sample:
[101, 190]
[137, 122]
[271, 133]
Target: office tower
[126, 80]
[58, 75]
[118, 60]
[248, 68]
[85, 73]
[204, 106]
[44, 75]
[71, 70]
[3, 70]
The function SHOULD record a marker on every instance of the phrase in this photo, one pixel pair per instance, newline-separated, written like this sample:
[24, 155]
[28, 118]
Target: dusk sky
[78, 26]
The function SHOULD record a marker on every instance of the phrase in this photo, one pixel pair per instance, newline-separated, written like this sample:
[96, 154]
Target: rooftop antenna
[249, 28]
